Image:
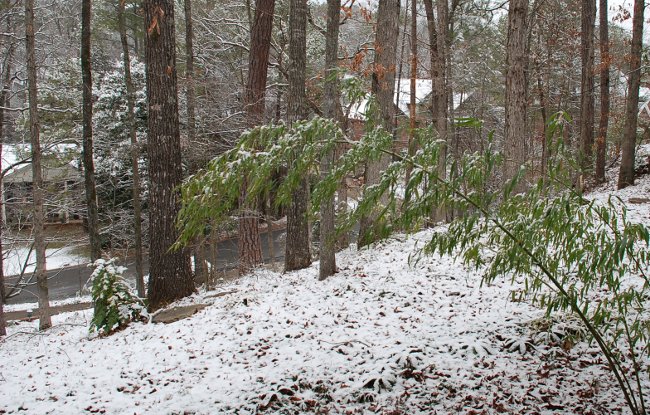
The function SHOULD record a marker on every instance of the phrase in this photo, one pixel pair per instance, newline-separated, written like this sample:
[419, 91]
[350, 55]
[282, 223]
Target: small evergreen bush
[115, 306]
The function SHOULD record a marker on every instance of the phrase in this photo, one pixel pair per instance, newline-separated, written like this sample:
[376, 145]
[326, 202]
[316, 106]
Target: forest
[324, 206]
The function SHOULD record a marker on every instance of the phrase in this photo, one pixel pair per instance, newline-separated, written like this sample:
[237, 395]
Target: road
[67, 282]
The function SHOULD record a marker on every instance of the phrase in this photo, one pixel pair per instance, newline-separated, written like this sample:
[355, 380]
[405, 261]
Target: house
[63, 185]
[423, 110]
[356, 113]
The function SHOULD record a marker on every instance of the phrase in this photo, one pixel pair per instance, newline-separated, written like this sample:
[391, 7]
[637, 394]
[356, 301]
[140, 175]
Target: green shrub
[115, 306]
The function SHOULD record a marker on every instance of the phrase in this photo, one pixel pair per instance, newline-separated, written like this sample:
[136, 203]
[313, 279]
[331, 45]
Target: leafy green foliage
[211, 195]
[115, 306]
[572, 254]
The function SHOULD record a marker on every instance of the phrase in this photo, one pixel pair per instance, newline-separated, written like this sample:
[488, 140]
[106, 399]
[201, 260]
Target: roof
[16, 159]
[50, 174]
[423, 90]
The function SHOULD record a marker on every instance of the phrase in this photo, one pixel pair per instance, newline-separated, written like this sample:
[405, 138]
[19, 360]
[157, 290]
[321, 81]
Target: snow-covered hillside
[382, 336]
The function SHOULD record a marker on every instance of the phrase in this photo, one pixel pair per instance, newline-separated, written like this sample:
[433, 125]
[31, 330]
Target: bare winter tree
[297, 252]
[383, 88]
[200, 265]
[135, 149]
[628, 146]
[601, 141]
[4, 95]
[170, 275]
[87, 126]
[516, 86]
[332, 109]
[250, 245]
[412, 86]
[44, 318]
[588, 19]
[437, 29]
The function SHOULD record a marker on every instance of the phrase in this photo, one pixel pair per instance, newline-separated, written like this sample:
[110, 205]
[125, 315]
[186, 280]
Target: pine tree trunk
[297, 249]
[603, 124]
[439, 96]
[516, 87]
[40, 272]
[587, 87]
[87, 133]
[135, 152]
[327, 226]
[628, 145]
[170, 275]
[383, 88]
[250, 245]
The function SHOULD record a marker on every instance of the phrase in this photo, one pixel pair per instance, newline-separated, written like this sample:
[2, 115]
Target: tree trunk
[439, 96]
[170, 275]
[383, 88]
[190, 91]
[297, 252]
[200, 267]
[87, 133]
[6, 88]
[249, 241]
[3, 102]
[250, 245]
[412, 90]
[269, 233]
[332, 109]
[587, 87]
[516, 87]
[135, 152]
[543, 104]
[603, 124]
[628, 145]
[44, 318]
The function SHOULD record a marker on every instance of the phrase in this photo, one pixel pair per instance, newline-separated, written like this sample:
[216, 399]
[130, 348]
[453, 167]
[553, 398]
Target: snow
[423, 89]
[34, 306]
[387, 334]
[11, 156]
[16, 257]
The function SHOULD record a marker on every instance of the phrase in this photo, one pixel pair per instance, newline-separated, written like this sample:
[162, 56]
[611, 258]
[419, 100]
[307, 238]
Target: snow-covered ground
[384, 335]
[18, 258]
[380, 336]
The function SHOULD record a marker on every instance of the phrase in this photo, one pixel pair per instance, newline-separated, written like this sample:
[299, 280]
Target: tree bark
[603, 124]
[628, 145]
[135, 151]
[170, 275]
[200, 266]
[516, 87]
[383, 88]
[439, 102]
[87, 133]
[413, 86]
[190, 92]
[250, 245]
[6, 88]
[40, 272]
[297, 249]
[327, 253]
[587, 87]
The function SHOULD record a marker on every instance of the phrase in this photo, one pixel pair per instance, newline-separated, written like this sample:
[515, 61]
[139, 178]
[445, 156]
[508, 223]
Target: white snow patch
[19, 258]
